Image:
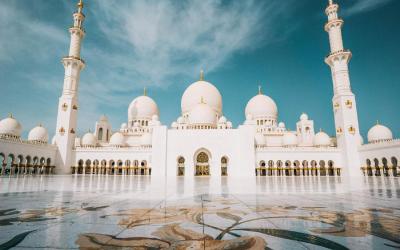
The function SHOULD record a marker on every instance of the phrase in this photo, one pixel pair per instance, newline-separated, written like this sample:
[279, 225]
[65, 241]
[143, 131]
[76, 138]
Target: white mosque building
[202, 142]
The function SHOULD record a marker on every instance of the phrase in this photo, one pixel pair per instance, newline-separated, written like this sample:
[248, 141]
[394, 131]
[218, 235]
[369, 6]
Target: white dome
[222, 119]
[379, 133]
[202, 114]
[117, 139]
[174, 125]
[124, 126]
[89, 140]
[38, 134]
[322, 139]
[103, 118]
[304, 117]
[10, 126]
[229, 124]
[259, 139]
[146, 139]
[261, 106]
[289, 139]
[142, 107]
[281, 125]
[198, 90]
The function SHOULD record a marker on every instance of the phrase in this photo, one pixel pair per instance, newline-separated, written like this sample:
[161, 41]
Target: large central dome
[201, 90]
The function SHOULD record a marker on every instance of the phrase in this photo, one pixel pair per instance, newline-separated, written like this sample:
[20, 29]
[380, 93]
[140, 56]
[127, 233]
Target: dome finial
[10, 115]
[377, 122]
[259, 90]
[80, 6]
[144, 91]
[201, 75]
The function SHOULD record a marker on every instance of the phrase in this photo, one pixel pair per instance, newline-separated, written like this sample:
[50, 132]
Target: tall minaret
[68, 102]
[344, 102]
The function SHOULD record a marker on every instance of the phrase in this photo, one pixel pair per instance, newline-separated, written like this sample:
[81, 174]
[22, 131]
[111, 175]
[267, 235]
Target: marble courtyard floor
[140, 212]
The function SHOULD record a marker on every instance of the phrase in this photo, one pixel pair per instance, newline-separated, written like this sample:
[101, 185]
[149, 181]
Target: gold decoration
[352, 130]
[72, 131]
[259, 90]
[64, 107]
[339, 130]
[349, 104]
[336, 105]
[61, 130]
[144, 91]
[75, 107]
[201, 75]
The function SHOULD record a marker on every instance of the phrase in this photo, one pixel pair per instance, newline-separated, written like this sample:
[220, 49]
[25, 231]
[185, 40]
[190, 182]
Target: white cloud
[156, 42]
[361, 6]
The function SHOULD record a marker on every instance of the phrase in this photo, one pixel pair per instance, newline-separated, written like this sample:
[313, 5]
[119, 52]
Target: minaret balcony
[339, 55]
[68, 60]
[333, 23]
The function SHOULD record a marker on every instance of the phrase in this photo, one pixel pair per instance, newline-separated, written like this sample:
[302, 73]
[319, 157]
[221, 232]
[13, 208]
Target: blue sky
[163, 45]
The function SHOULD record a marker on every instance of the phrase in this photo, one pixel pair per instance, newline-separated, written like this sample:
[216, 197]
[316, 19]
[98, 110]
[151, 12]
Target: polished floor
[140, 212]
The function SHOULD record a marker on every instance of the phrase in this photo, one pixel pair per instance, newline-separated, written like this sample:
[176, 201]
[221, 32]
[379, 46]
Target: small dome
[174, 125]
[259, 139]
[379, 133]
[10, 126]
[142, 107]
[222, 119]
[304, 117]
[202, 114]
[38, 134]
[261, 106]
[117, 139]
[103, 118]
[181, 120]
[281, 125]
[147, 139]
[322, 139]
[124, 126]
[289, 139]
[201, 89]
[229, 124]
[89, 140]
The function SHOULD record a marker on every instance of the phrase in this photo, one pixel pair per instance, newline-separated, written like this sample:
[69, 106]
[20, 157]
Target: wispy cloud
[361, 6]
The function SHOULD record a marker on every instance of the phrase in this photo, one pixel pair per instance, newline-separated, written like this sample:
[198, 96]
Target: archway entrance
[202, 164]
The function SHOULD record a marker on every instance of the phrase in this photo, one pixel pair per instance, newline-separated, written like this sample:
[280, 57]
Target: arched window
[181, 166]
[224, 166]
[100, 134]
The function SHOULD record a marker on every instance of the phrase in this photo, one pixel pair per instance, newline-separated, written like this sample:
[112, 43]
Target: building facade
[203, 142]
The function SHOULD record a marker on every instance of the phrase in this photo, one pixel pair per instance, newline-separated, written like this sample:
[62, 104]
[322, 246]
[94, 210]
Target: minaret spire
[344, 101]
[68, 102]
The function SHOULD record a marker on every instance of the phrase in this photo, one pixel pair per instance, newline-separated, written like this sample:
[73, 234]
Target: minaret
[344, 102]
[68, 102]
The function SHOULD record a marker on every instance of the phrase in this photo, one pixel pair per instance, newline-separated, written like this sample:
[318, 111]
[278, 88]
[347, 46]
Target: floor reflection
[91, 212]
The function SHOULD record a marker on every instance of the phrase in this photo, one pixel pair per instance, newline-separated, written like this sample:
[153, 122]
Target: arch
[377, 168]
[394, 165]
[35, 163]
[331, 168]
[202, 158]
[224, 165]
[100, 134]
[181, 165]
[385, 166]
[79, 169]
[271, 165]
[279, 165]
[305, 168]
[143, 167]
[296, 169]
[313, 167]
[118, 170]
[322, 168]
[48, 162]
[288, 168]
[260, 170]
[369, 167]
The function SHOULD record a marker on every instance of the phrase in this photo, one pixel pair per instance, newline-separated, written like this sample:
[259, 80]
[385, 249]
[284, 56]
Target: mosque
[202, 141]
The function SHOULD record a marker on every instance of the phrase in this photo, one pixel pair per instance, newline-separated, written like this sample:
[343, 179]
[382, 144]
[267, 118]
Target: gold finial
[80, 6]
[144, 91]
[201, 75]
[320, 130]
[10, 115]
[40, 124]
[377, 122]
[259, 90]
